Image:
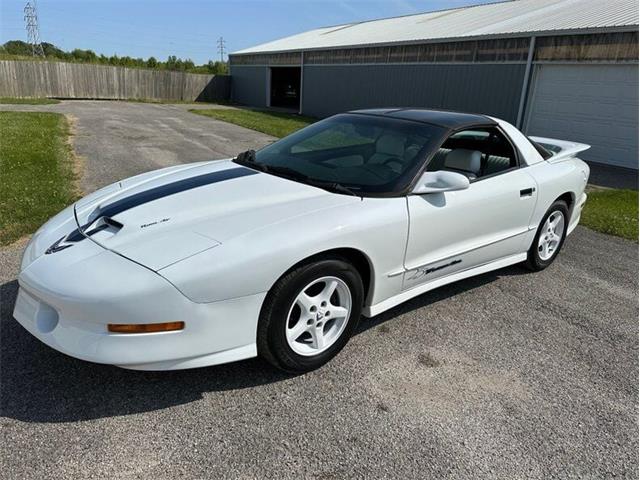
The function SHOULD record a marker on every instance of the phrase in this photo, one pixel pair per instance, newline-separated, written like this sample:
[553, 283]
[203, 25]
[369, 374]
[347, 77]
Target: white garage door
[594, 104]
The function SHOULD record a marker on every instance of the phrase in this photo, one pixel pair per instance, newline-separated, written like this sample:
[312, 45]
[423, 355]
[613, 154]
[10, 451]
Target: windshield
[366, 154]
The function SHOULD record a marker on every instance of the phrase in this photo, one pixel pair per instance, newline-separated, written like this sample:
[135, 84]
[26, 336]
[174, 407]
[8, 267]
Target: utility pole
[33, 32]
[221, 48]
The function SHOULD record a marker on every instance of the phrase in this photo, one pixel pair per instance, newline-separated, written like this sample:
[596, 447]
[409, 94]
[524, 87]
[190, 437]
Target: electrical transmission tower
[33, 32]
[221, 48]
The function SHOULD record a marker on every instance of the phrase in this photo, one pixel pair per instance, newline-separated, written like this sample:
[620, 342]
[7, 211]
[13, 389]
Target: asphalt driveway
[507, 375]
[119, 139]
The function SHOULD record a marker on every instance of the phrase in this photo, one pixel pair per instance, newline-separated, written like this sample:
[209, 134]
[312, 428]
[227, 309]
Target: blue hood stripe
[150, 195]
[162, 191]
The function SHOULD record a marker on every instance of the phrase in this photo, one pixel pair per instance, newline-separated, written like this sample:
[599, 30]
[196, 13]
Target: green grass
[612, 211]
[28, 101]
[276, 124]
[37, 177]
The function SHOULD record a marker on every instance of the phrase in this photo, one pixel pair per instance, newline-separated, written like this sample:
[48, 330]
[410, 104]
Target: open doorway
[285, 87]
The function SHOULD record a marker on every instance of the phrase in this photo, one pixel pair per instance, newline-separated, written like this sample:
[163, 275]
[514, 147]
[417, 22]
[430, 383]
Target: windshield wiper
[295, 175]
[335, 186]
[249, 156]
[288, 172]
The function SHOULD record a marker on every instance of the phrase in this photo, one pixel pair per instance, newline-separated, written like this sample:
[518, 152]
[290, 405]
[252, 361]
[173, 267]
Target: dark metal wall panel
[492, 89]
[249, 85]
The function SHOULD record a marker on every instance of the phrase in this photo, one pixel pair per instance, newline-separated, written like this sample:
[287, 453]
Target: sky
[190, 28]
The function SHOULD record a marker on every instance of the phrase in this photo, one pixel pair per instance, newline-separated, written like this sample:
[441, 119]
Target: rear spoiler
[561, 149]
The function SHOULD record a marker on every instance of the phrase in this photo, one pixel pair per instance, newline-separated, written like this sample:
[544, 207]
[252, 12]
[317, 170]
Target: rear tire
[549, 238]
[310, 314]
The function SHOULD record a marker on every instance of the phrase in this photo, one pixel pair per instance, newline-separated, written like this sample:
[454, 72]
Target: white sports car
[279, 252]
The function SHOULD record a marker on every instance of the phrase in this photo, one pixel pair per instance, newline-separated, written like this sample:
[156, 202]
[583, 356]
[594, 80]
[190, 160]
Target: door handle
[527, 192]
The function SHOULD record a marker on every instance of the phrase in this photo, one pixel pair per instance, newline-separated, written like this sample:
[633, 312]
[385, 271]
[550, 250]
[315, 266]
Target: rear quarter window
[545, 153]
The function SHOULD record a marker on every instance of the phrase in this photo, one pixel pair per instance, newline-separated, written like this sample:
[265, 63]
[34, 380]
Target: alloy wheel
[551, 235]
[318, 316]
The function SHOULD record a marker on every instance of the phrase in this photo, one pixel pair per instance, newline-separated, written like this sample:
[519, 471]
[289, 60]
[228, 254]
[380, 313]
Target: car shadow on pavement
[439, 294]
[39, 384]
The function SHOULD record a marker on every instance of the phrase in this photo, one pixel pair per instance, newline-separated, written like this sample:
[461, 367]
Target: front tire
[549, 237]
[310, 314]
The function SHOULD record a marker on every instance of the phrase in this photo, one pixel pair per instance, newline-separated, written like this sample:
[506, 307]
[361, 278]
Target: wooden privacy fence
[78, 80]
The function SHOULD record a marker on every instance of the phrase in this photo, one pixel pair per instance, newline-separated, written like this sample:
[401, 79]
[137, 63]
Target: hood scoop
[100, 224]
[82, 232]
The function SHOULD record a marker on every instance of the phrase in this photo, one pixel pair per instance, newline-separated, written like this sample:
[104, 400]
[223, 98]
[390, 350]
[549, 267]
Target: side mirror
[440, 181]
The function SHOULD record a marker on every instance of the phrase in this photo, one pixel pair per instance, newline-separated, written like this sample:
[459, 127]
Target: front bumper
[67, 299]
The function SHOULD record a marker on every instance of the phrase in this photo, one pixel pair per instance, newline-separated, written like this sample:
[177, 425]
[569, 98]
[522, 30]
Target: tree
[20, 48]
[171, 62]
[217, 67]
[188, 64]
[17, 47]
[51, 51]
[80, 55]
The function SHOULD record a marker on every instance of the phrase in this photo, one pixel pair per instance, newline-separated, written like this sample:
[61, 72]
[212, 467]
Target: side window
[476, 153]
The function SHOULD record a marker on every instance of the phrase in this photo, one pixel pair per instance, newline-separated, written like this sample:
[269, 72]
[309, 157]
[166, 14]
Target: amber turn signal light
[145, 327]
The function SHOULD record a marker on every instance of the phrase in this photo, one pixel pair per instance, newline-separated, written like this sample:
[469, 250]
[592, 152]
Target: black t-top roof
[442, 118]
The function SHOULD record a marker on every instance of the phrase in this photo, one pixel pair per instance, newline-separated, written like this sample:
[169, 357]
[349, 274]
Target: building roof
[443, 118]
[510, 18]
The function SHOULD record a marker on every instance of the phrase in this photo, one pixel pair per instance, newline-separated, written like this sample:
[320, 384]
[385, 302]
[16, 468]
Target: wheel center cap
[319, 315]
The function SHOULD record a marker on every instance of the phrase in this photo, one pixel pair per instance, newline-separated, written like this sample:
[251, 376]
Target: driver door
[454, 231]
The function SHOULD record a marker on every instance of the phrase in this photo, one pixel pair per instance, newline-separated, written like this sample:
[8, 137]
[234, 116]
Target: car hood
[162, 217]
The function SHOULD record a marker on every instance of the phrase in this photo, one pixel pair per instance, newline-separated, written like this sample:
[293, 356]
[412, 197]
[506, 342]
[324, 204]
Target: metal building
[559, 68]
